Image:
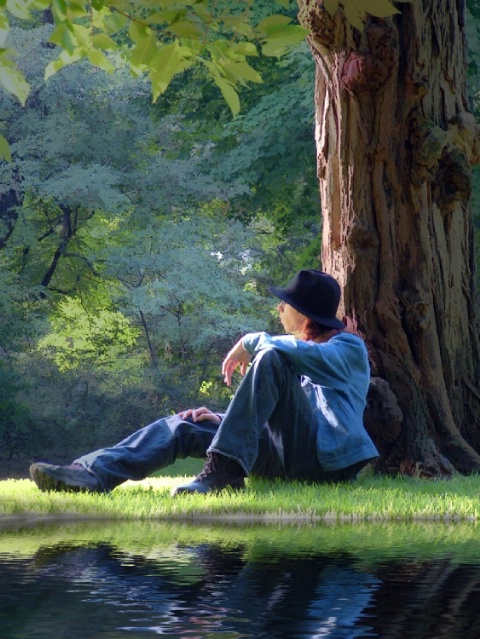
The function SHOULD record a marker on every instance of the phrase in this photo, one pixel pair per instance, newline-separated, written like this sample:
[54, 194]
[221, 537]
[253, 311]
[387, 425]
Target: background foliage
[138, 238]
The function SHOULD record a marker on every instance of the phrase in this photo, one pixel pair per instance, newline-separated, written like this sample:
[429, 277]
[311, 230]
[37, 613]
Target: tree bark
[395, 144]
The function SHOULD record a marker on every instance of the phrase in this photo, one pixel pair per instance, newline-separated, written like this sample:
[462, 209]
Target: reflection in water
[98, 590]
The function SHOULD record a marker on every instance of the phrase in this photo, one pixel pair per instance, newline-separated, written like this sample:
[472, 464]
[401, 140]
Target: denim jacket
[335, 376]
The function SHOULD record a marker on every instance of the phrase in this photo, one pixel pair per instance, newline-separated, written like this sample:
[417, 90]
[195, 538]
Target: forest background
[138, 239]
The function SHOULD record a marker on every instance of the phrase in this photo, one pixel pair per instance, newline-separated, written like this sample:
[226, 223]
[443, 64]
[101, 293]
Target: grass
[378, 499]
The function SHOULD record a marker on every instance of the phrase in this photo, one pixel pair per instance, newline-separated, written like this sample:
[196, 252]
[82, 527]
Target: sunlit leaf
[18, 8]
[356, 10]
[145, 51]
[138, 32]
[99, 59]
[76, 9]
[63, 60]
[103, 41]
[5, 153]
[245, 29]
[272, 23]
[242, 71]
[354, 16]
[167, 63]
[331, 6]
[4, 29]
[115, 21]
[281, 41]
[59, 8]
[244, 48]
[13, 81]
[64, 37]
[201, 9]
[83, 35]
[42, 5]
[229, 94]
[380, 8]
[186, 29]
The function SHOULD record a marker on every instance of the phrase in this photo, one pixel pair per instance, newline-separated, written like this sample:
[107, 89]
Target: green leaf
[246, 29]
[63, 60]
[5, 153]
[280, 42]
[157, 18]
[241, 72]
[202, 11]
[4, 29]
[13, 81]
[354, 15]
[19, 9]
[331, 6]
[379, 8]
[356, 10]
[229, 94]
[186, 29]
[169, 61]
[41, 5]
[167, 17]
[138, 32]
[145, 51]
[99, 59]
[53, 67]
[83, 35]
[272, 23]
[246, 48]
[103, 41]
[64, 37]
[76, 9]
[59, 8]
[115, 21]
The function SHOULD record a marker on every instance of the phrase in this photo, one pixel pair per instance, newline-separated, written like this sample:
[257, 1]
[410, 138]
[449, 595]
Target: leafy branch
[165, 38]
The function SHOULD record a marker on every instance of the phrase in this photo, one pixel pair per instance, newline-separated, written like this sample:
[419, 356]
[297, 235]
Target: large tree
[395, 144]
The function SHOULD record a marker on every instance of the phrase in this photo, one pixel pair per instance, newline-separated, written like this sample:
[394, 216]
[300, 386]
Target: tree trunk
[395, 144]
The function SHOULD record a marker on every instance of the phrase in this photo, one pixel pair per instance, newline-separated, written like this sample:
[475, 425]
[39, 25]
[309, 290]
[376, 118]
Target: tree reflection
[203, 589]
[96, 591]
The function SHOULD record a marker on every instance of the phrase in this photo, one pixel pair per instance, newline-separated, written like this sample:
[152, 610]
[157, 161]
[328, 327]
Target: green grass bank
[368, 499]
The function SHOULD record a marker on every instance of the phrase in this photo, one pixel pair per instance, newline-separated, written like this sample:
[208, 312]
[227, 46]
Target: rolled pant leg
[149, 449]
[269, 427]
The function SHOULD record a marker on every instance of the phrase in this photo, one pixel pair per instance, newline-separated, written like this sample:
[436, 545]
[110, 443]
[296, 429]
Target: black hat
[314, 294]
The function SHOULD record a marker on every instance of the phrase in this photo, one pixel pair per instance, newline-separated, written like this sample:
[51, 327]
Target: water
[138, 581]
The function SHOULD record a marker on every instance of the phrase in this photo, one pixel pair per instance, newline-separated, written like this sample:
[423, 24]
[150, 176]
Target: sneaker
[73, 478]
[218, 473]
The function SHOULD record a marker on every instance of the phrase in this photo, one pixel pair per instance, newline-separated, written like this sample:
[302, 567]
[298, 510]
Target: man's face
[291, 319]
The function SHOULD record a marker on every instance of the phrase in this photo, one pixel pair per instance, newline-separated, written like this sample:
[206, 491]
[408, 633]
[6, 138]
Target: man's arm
[237, 357]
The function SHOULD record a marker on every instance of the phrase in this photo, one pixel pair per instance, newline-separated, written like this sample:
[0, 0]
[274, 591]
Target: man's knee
[270, 358]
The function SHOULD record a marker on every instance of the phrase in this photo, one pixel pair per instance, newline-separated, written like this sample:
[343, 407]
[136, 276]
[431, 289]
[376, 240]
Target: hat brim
[285, 295]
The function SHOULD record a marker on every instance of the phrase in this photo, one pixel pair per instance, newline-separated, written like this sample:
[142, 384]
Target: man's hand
[238, 356]
[200, 415]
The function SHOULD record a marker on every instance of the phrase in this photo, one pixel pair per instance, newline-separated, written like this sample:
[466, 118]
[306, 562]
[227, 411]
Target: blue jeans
[269, 429]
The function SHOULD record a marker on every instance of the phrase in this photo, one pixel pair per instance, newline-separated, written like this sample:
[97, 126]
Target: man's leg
[151, 448]
[269, 429]
[270, 422]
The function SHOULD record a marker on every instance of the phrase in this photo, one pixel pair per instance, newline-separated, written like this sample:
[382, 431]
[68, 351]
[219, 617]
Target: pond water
[136, 581]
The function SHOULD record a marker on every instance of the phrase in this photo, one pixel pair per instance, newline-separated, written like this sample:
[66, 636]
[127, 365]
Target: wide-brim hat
[314, 294]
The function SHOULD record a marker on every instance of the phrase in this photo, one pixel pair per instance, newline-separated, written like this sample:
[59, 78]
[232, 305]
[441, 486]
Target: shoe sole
[47, 482]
